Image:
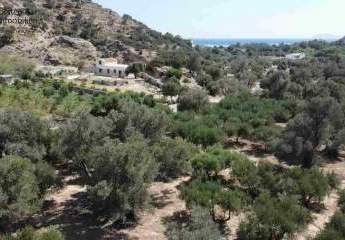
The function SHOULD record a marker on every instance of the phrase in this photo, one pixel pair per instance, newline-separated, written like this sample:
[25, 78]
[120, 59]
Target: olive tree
[192, 99]
[174, 157]
[23, 134]
[273, 219]
[121, 174]
[19, 189]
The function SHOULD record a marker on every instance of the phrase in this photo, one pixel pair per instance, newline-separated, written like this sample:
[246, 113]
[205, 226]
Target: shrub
[17, 66]
[7, 35]
[211, 194]
[273, 219]
[199, 226]
[192, 99]
[311, 185]
[29, 233]
[19, 189]
[171, 88]
[173, 72]
[335, 229]
[23, 134]
[173, 157]
[122, 172]
[211, 162]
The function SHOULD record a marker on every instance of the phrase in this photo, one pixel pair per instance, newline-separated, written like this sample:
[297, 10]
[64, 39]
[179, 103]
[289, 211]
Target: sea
[242, 41]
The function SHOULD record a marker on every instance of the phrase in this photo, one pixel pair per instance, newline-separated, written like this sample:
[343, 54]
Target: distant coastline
[242, 41]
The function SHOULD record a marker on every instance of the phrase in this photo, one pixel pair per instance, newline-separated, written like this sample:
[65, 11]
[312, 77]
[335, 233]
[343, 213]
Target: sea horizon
[225, 42]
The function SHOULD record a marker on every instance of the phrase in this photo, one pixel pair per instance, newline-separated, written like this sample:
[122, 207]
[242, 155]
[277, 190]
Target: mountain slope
[83, 21]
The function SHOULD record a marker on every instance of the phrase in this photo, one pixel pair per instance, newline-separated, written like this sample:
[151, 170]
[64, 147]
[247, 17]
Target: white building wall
[112, 69]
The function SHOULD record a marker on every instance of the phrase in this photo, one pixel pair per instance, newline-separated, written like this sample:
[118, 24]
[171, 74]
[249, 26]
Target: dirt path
[166, 202]
[234, 224]
[66, 194]
[321, 219]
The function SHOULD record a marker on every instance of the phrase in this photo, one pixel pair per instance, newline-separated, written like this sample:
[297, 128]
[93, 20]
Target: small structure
[295, 56]
[110, 67]
[56, 70]
[7, 79]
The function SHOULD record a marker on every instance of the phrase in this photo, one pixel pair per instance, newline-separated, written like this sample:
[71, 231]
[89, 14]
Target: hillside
[341, 41]
[76, 32]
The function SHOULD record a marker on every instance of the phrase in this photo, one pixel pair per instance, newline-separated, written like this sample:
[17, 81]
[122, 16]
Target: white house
[295, 56]
[7, 79]
[110, 67]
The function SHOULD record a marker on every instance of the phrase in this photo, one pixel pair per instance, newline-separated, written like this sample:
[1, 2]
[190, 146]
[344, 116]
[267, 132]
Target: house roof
[109, 60]
[112, 62]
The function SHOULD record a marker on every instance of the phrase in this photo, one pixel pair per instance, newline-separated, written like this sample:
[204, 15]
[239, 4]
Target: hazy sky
[237, 18]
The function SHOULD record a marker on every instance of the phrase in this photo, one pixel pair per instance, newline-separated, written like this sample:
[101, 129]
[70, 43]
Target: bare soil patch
[167, 202]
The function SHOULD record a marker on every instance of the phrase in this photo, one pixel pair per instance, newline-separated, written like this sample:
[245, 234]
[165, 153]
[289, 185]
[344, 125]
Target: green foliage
[120, 177]
[17, 66]
[136, 68]
[132, 117]
[194, 63]
[276, 83]
[273, 218]
[308, 130]
[211, 194]
[199, 226]
[198, 132]
[173, 72]
[335, 229]
[173, 157]
[211, 162]
[19, 189]
[102, 105]
[311, 185]
[171, 87]
[249, 117]
[176, 58]
[29, 233]
[192, 99]
[23, 134]
[80, 134]
[46, 176]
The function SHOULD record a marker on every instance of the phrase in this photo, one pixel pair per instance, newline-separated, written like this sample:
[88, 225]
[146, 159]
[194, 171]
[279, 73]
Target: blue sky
[237, 18]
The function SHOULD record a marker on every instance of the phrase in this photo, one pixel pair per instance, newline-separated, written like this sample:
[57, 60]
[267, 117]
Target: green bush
[171, 87]
[16, 65]
[193, 100]
[19, 189]
[273, 219]
[199, 226]
[335, 229]
[173, 157]
[173, 72]
[210, 163]
[29, 233]
[210, 194]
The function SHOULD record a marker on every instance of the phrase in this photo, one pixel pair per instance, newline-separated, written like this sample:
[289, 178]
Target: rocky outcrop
[76, 43]
[70, 51]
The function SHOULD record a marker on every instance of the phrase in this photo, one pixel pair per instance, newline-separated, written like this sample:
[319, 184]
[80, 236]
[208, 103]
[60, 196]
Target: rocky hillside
[341, 41]
[76, 32]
